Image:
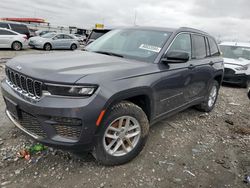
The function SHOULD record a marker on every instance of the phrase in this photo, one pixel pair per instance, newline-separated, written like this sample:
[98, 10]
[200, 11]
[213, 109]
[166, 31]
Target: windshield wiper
[108, 53]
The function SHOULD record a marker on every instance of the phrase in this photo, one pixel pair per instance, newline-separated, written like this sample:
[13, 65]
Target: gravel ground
[190, 149]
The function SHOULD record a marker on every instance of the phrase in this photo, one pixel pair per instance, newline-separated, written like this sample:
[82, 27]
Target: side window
[4, 32]
[19, 28]
[213, 47]
[4, 25]
[207, 47]
[58, 37]
[182, 43]
[198, 47]
[67, 37]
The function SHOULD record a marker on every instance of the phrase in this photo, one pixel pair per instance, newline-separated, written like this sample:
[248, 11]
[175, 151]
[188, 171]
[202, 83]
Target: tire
[47, 47]
[122, 112]
[73, 47]
[207, 105]
[17, 46]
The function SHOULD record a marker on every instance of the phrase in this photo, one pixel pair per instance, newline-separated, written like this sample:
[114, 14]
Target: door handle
[211, 63]
[191, 66]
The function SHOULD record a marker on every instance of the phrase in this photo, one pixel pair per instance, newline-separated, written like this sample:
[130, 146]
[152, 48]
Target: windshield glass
[235, 52]
[143, 45]
[49, 35]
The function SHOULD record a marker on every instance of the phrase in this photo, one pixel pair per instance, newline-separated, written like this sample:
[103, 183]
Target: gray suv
[105, 98]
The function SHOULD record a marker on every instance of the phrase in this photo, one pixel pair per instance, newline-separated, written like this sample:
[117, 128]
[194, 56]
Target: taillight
[25, 37]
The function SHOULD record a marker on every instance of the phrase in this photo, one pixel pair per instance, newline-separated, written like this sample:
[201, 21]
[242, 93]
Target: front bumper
[36, 45]
[240, 79]
[66, 123]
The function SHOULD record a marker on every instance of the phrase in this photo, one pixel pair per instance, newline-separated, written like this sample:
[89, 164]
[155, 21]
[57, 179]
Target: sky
[224, 19]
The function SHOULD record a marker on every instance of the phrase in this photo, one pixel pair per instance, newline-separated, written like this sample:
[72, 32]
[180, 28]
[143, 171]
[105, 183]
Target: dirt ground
[190, 149]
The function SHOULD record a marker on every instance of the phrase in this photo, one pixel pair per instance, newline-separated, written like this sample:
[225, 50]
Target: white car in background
[236, 62]
[52, 41]
[12, 39]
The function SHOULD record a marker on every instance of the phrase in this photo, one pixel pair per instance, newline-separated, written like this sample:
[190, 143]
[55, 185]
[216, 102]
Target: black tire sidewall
[47, 44]
[72, 48]
[122, 109]
[206, 106]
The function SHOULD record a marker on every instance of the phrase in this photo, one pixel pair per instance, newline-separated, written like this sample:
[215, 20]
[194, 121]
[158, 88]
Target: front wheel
[122, 134]
[47, 47]
[73, 47]
[208, 104]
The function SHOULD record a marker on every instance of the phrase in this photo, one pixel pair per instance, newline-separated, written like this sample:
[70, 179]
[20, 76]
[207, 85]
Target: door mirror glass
[175, 57]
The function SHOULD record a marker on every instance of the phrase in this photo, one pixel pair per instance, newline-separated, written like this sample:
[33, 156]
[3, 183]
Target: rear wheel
[47, 47]
[211, 98]
[16, 46]
[123, 134]
[73, 47]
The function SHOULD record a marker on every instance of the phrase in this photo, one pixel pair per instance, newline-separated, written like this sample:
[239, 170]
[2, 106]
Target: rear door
[202, 67]
[176, 78]
[67, 41]
[58, 42]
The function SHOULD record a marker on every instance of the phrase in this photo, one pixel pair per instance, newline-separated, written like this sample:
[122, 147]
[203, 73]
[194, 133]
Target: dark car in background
[17, 27]
[105, 98]
[95, 34]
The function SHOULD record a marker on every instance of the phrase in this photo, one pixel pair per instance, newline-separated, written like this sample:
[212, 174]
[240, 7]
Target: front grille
[31, 124]
[71, 132]
[229, 71]
[24, 84]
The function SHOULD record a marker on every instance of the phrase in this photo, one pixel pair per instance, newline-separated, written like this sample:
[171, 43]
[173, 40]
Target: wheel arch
[18, 42]
[142, 97]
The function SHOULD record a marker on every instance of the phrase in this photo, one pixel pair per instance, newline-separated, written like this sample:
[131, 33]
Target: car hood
[236, 62]
[68, 67]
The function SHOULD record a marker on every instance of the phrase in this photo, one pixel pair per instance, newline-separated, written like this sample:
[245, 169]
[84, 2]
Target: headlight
[241, 68]
[77, 91]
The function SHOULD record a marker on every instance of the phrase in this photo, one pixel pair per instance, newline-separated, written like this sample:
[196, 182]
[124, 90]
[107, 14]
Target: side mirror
[175, 57]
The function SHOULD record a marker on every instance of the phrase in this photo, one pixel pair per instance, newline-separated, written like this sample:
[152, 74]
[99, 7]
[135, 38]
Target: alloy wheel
[122, 136]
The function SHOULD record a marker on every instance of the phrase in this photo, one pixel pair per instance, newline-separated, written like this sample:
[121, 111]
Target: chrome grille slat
[23, 84]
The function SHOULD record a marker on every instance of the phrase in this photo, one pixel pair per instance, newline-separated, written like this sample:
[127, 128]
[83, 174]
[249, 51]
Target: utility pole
[135, 17]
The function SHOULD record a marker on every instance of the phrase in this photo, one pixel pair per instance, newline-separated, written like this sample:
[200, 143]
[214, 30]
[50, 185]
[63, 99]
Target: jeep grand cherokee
[104, 99]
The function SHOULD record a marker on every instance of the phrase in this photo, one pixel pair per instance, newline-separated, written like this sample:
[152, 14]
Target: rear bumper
[65, 123]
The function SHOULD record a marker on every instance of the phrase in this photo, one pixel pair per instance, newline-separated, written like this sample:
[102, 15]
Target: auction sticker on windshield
[150, 48]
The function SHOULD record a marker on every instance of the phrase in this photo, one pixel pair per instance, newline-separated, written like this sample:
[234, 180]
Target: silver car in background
[12, 39]
[53, 41]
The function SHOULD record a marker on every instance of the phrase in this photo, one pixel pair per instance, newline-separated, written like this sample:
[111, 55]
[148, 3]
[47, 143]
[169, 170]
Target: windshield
[143, 45]
[49, 35]
[235, 52]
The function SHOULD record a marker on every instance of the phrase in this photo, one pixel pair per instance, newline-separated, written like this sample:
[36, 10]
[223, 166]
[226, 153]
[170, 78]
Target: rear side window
[4, 25]
[19, 28]
[213, 47]
[198, 47]
[182, 43]
[67, 37]
[4, 32]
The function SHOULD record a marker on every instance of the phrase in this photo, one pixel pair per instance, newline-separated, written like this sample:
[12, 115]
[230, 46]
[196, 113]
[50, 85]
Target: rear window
[198, 47]
[213, 47]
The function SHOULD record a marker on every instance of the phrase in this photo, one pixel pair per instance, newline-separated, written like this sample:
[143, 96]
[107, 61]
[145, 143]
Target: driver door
[176, 78]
